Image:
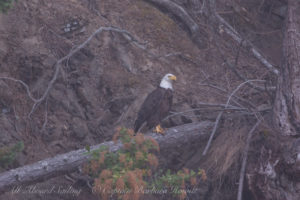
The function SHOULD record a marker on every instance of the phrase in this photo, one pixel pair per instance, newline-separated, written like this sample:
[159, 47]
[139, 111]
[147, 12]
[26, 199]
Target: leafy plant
[178, 182]
[8, 154]
[5, 5]
[125, 169]
[128, 172]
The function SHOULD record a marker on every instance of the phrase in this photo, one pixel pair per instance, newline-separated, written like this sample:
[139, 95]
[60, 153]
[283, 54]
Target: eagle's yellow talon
[159, 129]
[156, 106]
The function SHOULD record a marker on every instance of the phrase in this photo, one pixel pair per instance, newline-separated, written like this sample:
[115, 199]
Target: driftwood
[185, 136]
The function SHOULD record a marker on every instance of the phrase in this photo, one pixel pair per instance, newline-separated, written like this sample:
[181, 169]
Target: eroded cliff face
[99, 87]
[103, 85]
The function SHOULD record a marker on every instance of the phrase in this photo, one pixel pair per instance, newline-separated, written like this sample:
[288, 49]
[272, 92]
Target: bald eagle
[156, 106]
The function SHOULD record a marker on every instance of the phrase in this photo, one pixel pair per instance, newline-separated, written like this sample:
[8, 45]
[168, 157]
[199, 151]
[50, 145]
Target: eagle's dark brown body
[155, 108]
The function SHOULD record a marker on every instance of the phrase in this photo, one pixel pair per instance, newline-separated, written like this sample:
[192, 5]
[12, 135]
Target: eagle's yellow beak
[173, 78]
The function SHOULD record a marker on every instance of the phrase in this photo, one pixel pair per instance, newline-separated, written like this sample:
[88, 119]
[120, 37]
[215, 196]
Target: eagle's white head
[166, 81]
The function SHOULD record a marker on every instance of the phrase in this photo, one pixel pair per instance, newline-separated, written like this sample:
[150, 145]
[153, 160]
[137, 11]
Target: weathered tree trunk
[275, 175]
[287, 102]
[180, 139]
[273, 172]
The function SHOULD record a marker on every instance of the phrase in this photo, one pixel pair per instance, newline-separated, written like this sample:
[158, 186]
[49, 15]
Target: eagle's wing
[149, 107]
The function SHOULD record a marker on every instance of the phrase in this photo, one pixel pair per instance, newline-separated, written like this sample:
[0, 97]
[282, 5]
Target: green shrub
[5, 5]
[8, 154]
[132, 171]
[126, 169]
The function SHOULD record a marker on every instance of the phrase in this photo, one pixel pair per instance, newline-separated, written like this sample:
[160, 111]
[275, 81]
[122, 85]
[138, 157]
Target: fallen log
[186, 136]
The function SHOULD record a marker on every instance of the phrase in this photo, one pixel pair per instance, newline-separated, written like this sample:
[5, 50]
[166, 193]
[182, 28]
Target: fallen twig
[233, 68]
[244, 162]
[224, 26]
[235, 96]
[46, 116]
[221, 113]
[235, 36]
[23, 84]
[213, 133]
[233, 108]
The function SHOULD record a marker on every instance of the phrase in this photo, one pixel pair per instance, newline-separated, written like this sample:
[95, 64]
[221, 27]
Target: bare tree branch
[221, 113]
[228, 29]
[202, 7]
[235, 96]
[233, 68]
[212, 133]
[23, 84]
[57, 65]
[257, 55]
[244, 163]
[194, 29]
[46, 116]
[199, 109]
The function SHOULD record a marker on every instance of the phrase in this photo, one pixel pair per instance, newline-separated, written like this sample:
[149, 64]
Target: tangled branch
[221, 113]
[58, 63]
[244, 163]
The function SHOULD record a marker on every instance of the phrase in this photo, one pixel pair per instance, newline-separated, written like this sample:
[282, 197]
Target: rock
[49, 61]
[147, 67]
[80, 129]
